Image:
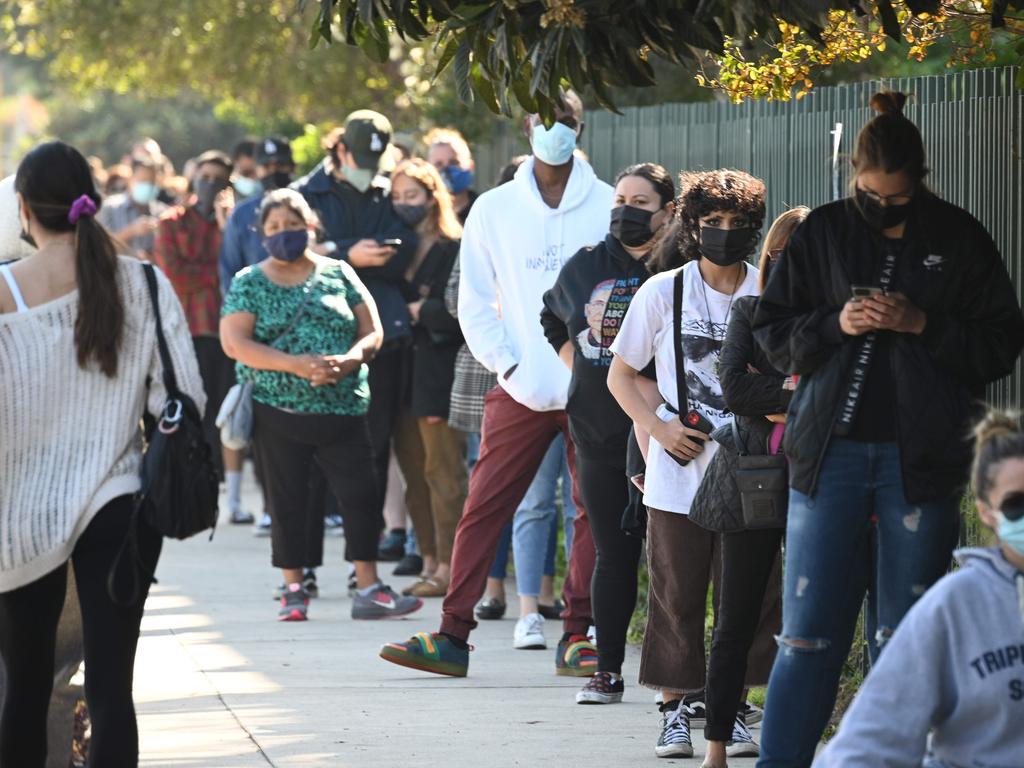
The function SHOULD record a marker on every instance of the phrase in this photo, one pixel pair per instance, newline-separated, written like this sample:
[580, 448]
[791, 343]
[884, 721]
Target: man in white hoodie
[516, 240]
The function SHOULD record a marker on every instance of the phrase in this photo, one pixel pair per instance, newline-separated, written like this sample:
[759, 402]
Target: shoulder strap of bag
[682, 396]
[736, 437]
[311, 283]
[170, 380]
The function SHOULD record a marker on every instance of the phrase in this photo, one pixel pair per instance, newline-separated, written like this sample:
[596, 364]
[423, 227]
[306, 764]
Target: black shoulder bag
[764, 486]
[178, 497]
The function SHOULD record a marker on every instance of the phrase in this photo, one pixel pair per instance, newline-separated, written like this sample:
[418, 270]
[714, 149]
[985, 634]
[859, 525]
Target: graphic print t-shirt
[648, 333]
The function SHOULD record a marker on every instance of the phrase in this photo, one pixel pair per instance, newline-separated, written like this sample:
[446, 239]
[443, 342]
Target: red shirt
[187, 248]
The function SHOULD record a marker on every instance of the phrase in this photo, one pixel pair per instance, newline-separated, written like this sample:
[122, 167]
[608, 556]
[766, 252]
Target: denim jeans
[857, 534]
[535, 526]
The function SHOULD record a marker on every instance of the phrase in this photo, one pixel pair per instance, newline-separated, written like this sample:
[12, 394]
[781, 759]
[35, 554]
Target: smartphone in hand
[865, 291]
[391, 242]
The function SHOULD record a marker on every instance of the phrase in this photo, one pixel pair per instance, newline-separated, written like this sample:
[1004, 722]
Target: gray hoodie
[955, 667]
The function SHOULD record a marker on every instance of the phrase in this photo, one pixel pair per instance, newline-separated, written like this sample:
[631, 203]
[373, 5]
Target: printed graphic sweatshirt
[955, 667]
[513, 248]
[587, 306]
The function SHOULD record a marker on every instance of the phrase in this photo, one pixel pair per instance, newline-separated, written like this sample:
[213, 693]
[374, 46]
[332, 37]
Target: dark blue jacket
[348, 216]
[242, 244]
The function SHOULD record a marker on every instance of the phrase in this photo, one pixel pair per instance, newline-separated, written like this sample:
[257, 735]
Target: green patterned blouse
[327, 326]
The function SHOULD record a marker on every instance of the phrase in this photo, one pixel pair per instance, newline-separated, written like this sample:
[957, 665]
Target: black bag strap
[307, 294]
[682, 396]
[170, 380]
[736, 437]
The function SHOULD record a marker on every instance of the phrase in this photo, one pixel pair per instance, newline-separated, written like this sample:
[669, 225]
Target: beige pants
[433, 462]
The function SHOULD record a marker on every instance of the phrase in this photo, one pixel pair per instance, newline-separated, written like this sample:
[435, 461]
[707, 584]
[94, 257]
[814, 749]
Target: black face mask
[207, 191]
[412, 215]
[276, 180]
[881, 217]
[726, 247]
[631, 226]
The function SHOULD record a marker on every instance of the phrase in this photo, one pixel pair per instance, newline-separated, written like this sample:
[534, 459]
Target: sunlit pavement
[220, 683]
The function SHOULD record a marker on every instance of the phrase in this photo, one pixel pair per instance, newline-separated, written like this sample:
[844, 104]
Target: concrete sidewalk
[220, 683]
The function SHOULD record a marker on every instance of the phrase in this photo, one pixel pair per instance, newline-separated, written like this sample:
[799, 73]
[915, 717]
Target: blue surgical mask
[144, 192]
[288, 245]
[553, 145]
[1011, 532]
[247, 187]
[457, 179]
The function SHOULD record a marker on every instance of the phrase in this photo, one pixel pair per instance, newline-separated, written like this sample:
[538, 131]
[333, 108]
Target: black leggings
[604, 490]
[288, 444]
[28, 633]
[750, 569]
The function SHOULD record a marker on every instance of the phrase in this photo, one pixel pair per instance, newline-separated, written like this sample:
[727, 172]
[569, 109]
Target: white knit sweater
[69, 437]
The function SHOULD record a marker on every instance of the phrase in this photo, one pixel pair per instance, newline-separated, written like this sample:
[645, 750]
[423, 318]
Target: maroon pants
[515, 440]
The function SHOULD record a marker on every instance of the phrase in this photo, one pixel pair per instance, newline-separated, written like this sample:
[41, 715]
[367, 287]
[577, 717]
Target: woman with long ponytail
[77, 348]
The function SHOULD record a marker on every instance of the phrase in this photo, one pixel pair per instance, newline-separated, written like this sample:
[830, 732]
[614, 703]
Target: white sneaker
[742, 743]
[529, 634]
[262, 528]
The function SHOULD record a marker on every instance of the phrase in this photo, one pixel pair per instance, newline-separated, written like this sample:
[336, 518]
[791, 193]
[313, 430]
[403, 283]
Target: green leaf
[462, 64]
[484, 88]
[447, 54]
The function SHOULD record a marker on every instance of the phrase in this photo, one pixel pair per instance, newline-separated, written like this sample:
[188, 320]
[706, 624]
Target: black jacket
[951, 270]
[598, 274]
[750, 396]
[437, 336]
[348, 216]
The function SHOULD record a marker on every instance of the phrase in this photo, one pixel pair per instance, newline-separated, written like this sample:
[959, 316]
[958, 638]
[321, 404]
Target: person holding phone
[877, 432]
[719, 215]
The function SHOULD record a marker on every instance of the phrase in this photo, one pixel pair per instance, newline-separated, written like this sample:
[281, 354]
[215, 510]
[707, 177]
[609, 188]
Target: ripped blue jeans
[858, 535]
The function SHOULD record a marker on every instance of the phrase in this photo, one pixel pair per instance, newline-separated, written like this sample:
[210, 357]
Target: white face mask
[553, 145]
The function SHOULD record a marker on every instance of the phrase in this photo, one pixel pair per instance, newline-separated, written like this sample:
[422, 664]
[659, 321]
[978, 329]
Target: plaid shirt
[187, 249]
[472, 380]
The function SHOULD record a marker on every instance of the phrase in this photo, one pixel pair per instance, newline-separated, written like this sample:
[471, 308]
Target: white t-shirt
[646, 333]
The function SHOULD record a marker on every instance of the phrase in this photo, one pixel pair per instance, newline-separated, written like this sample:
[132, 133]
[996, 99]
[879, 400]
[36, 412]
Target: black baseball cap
[367, 136]
[274, 149]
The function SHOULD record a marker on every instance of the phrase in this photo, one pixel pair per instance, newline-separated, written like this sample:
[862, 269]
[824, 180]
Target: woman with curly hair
[719, 216]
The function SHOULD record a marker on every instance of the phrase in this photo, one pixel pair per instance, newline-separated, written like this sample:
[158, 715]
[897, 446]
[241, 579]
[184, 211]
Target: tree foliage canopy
[522, 51]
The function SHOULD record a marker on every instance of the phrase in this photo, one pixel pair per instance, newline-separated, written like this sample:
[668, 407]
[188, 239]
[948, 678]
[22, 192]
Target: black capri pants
[286, 444]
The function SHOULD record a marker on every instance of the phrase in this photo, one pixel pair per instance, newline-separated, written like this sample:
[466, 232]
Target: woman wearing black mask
[719, 216]
[581, 317]
[895, 310]
[424, 443]
[302, 328]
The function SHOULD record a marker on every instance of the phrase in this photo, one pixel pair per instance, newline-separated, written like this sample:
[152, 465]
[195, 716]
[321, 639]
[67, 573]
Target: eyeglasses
[900, 198]
[1012, 507]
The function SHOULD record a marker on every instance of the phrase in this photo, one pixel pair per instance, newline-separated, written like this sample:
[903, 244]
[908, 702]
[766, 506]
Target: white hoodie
[513, 248]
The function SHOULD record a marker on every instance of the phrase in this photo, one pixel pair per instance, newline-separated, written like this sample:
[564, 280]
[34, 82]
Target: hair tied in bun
[996, 424]
[888, 102]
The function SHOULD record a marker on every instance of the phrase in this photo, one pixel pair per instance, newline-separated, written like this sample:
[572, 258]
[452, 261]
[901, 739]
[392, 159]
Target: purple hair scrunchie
[83, 206]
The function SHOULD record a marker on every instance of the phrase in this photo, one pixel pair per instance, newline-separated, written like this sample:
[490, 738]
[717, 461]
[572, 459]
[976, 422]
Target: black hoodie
[587, 305]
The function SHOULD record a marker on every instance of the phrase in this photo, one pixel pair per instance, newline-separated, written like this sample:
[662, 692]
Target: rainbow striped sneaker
[428, 652]
[576, 656]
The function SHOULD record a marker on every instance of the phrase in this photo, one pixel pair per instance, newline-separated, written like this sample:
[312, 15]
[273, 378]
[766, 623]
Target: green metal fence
[971, 121]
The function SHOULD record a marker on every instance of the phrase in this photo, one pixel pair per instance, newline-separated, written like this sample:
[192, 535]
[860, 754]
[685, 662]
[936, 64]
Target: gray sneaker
[383, 603]
[294, 604]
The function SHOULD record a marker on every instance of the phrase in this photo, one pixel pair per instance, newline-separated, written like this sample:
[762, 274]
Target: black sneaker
[674, 740]
[551, 611]
[752, 714]
[410, 565]
[602, 688]
[309, 583]
[698, 712]
[491, 609]
[392, 546]
[742, 743]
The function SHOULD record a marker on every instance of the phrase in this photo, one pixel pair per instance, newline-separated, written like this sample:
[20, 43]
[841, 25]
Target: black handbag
[764, 487]
[178, 494]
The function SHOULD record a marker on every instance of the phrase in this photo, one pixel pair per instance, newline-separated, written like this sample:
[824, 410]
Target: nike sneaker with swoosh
[383, 603]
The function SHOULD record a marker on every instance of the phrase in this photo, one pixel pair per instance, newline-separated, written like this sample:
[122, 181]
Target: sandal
[427, 586]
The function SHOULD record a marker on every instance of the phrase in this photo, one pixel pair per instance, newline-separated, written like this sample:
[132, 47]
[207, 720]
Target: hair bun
[888, 102]
[996, 424]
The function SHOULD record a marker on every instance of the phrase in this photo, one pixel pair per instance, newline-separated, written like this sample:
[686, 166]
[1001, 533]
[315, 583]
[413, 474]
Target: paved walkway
[220, 683]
